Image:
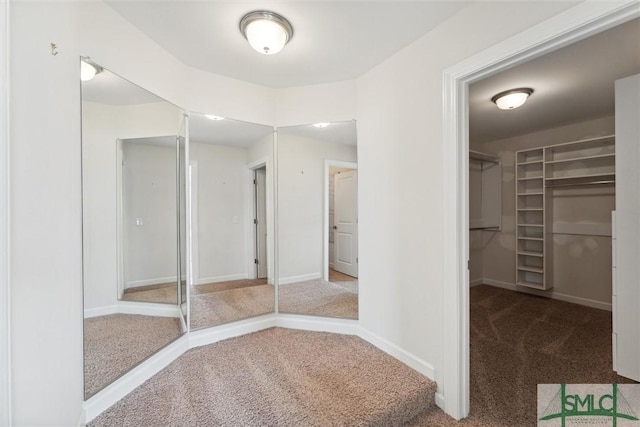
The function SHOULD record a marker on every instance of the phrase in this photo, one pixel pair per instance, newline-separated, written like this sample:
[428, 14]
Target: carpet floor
[278, 377]
[115, 343]
[320, 298]
[231, 304]
[336, 276]
[519, 341]
[166, 293]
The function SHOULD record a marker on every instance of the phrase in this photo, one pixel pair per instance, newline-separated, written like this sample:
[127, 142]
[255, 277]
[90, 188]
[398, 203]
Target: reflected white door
[346, 223]
[261, 222]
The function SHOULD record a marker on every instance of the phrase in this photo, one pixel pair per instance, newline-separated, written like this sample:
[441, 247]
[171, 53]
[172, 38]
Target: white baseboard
[318, 324]
[134, 378]
[217, 279]
[133, 307]
[476, 282]
[300, 278]
[100, 311]
[218, 333]
[402, 355]
[550, 294]
[439, 400]
[149, 282]
[331, 265]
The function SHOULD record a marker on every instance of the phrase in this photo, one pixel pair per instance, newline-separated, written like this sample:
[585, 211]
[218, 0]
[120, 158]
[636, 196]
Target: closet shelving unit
[538, 171]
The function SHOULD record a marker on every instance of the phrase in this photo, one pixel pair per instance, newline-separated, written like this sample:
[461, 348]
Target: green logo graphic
[613, 406]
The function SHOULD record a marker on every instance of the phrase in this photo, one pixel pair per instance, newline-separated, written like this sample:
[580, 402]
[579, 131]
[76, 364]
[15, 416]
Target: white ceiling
[225, 132]
[572, 84]
[109, 88]
[336, 132]
[332, 41]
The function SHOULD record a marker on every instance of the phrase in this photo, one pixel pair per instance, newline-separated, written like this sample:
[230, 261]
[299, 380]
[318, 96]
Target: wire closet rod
[581, 184]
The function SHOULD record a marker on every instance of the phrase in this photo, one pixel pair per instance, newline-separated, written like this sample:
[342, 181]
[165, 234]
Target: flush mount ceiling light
[267, 32]
[321, 125]
[510, 99]
[212, 117]
[88, 69]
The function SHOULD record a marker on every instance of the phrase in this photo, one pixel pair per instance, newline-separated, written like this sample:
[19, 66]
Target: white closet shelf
[597, 176]
[538, 239]
[538, 254]
[530, 225]
[578, 159]
[530, 162]
[529, 284]
[529, 178]
[531, 194]
[597, 141]
[530, 269]
[530, 210]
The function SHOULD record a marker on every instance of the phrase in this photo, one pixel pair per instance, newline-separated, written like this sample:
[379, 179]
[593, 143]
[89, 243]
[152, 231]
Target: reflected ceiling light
[321, 125]
[510, 99]
[88, 69]
[267, 32]
[212, 117]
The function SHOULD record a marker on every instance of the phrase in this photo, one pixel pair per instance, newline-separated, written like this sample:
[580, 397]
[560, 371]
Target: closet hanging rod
[580, 184]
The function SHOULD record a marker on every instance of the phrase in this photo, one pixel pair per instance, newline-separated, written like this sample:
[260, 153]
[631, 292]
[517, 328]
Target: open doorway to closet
[542, 189]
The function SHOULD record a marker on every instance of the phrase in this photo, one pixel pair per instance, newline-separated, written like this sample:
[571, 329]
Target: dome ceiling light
[511, 99]
[267, 32]
[88, 69]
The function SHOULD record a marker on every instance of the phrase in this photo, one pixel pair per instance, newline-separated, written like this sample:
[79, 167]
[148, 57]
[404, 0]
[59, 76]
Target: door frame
[252, 271]
[570, 26]
[325, 211]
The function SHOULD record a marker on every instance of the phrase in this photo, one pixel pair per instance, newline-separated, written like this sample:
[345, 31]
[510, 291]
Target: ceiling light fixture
[88, 69]
[511, 99]
[267, 32]
[321, 125]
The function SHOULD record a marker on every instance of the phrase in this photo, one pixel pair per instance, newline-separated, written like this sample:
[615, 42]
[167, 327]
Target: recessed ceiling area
[572, 84]
[332, 40]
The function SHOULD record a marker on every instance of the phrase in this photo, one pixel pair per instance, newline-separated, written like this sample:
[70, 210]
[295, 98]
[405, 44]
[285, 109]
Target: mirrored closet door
[231, 176]
[318, 220]
[133, 208]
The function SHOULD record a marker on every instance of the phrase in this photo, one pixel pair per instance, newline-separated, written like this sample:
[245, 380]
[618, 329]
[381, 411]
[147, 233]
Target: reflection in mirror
[231, 179]
[130, 226]
[318, 220]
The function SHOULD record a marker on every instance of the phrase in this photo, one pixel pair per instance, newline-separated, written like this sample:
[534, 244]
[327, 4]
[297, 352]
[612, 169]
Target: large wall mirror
[318, 220]
[133, 204]
[232, 221]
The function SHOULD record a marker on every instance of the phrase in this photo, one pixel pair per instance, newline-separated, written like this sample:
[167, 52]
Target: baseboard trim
[476, 282]
[439, 398]
[133, 307]
[134, 378]
[402, 355]
[218, 333]
[318, 324]
[218, 279]
[550, 294]
[300, 278]
[148, 282]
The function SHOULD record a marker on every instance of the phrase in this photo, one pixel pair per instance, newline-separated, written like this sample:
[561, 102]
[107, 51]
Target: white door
[626, 231]
[345, 229]
[261, 222]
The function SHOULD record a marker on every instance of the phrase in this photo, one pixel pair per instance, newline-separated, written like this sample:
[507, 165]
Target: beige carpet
[229, 301]
[336, 276]
[116, 343]
[278, 377]
[519, 341]
[320, 298]
[166, 293]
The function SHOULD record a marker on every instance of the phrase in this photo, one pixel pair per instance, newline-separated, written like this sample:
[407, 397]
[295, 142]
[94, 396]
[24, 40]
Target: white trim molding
[300, 278]
[577, 23]
[5, 295]
[218, 279]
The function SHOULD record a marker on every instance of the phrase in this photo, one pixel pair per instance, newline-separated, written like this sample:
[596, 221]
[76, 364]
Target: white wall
[46, 254]
[581, 263]
[300, 202]
[399, 112]
[102, 125]
[222, 212]
[400, 133]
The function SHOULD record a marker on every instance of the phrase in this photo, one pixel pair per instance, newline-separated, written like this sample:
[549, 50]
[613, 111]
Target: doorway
[576, 24]
[260, 221]
[341, 222]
